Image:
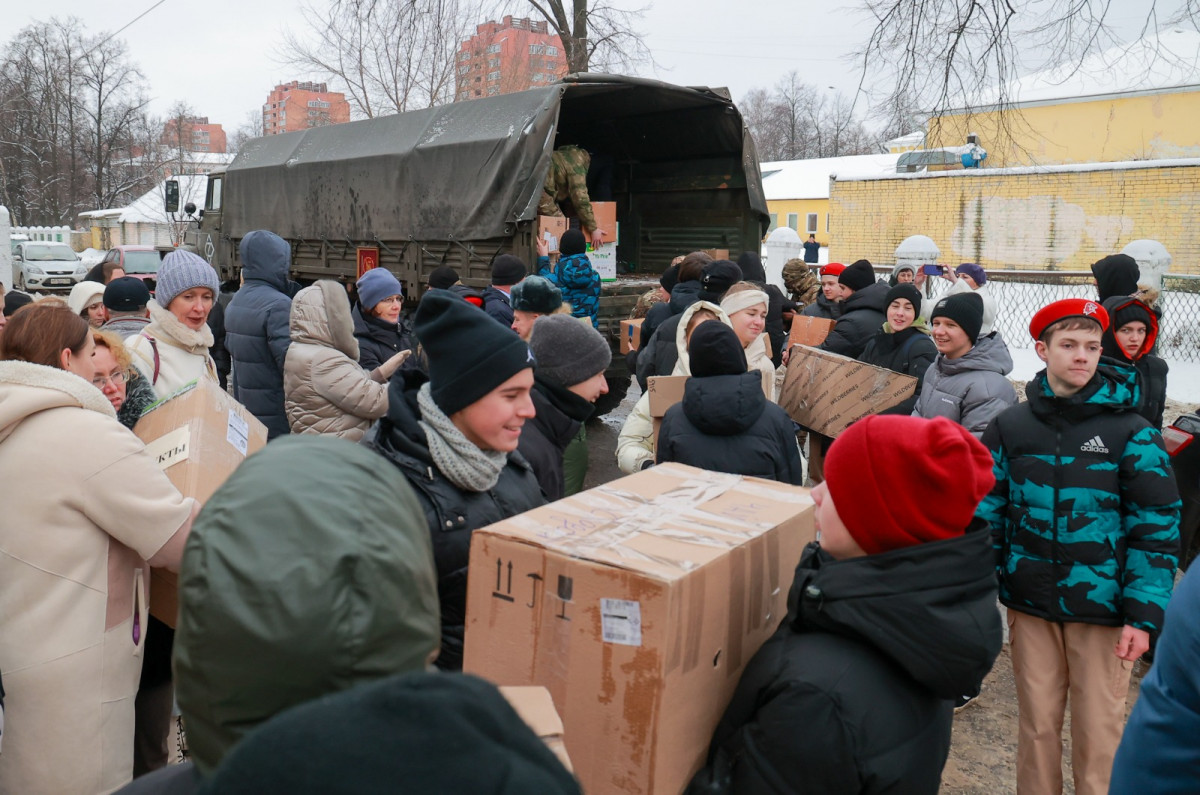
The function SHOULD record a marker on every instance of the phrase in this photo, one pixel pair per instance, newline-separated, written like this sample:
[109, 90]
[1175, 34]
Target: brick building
[508, 56]
[197, 135]
[297, 106]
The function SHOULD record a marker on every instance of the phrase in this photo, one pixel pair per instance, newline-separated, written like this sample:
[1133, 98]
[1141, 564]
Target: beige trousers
[1052, 662]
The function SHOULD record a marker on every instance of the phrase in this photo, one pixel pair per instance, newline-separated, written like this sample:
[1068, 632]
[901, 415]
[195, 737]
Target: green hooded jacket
[308, 572]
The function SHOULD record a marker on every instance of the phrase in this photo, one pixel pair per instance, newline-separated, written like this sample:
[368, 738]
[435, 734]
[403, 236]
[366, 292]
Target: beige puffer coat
[324, 388]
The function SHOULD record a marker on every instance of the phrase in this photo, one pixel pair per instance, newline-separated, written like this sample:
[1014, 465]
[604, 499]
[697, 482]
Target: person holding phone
[969, 277]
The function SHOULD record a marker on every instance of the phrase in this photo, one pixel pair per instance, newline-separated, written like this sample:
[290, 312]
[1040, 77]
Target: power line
[135, 19]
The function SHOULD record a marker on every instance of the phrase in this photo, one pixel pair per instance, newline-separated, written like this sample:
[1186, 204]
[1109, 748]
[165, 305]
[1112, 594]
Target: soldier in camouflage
[802, 284]
[567, 180]
[1085, 522]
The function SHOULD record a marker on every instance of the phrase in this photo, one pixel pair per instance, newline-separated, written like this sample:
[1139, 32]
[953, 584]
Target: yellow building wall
[802, 207]
[1053, 220]
[1152, 127]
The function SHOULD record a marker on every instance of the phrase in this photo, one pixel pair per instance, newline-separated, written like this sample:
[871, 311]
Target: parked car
[44, 265]
[138, 261]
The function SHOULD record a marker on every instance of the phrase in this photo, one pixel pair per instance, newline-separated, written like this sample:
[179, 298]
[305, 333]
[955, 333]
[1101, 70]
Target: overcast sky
[221, 57]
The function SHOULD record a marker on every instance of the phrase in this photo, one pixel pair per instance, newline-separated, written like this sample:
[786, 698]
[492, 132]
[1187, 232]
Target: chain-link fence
[1019, 294]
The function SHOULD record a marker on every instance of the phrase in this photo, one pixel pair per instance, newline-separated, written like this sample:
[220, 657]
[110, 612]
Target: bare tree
[251, 127]
[596, 34]
[798, 121]
[387, 56]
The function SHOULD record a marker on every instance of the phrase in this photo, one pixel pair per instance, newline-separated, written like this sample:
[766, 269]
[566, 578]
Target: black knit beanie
[715, 349]
[443, 278]
[670, 278]
[965, 309]
[858, 275]
[568, 352]
[905, 291]
[717, 277]
[572, 242]
[1116, 274]
[507, 269]
[470, 354]
[536, 294]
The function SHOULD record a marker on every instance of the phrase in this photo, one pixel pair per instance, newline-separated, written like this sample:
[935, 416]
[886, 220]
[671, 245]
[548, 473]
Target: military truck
[459, 184]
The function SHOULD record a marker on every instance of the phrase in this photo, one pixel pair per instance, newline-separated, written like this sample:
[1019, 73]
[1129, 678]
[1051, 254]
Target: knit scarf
[456, 456]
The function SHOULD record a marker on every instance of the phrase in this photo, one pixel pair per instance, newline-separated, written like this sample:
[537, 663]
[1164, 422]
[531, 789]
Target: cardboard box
[605, 214]
[826, 392]
[604, 261]
[810, 331]
[716, 253]
[664, 391]
[551, 227]
[631, 334]
[199, 436]
[536, 708]
[637, 604]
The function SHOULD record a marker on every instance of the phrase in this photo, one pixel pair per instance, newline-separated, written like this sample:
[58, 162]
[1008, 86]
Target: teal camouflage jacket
[1085, 511]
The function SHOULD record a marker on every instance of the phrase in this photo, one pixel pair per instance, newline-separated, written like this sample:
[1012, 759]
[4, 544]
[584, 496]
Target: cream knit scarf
[456, 456]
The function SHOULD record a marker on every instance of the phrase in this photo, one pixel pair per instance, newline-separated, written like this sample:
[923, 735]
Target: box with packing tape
[199, 435]
[636, 604]
[826, 392]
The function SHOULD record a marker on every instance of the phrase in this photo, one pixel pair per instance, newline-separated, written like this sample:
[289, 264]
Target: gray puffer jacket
[972, 389]
[325, 389]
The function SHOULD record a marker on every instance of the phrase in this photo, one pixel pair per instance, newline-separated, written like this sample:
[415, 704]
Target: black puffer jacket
[544, 439]
[822, 307]
[725, 423]
[910, 352]
[498, 305]
[859, 317]
[257, 332]
[452, 514]
[852, 693]
[218, 351]
[379, 341]
[658, 355]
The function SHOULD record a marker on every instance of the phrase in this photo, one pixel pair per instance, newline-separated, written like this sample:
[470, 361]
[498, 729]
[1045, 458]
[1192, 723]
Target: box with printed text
[636, 604]
[826, 392]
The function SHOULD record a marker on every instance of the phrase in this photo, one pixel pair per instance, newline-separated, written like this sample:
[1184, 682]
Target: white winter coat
[182, 352]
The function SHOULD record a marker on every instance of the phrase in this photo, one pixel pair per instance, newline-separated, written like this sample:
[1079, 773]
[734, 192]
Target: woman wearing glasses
[85, 510]
[116, 377]
[380, 330]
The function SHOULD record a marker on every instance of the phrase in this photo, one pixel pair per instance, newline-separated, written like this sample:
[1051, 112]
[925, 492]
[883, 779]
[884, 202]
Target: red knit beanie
[897, 481]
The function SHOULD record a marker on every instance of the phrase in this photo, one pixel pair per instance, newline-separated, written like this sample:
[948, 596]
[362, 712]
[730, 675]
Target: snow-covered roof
[148, 208]
[980, 173]
[1162, 61]
[915, 138]
[809, 179]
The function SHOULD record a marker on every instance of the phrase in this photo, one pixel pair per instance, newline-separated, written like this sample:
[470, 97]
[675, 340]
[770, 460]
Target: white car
[43, 265]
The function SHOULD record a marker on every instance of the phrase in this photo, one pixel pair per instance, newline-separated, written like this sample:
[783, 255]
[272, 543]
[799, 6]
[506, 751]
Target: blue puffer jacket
[256, 329]
[579, 282]
[1085, 511]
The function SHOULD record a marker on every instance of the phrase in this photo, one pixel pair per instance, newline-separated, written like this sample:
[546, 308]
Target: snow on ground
[1183, 381]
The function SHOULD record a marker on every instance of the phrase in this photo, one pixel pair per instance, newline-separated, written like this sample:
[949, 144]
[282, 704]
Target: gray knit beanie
[181, 271]
[568, 352]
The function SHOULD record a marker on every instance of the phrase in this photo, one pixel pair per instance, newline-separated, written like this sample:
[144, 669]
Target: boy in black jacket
[1085, 517]
[891, 617]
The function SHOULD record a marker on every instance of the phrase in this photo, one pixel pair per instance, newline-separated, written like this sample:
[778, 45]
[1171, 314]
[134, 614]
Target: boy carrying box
[1085, 519]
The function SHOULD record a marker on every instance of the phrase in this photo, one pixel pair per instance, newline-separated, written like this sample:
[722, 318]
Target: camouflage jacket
[647, 300]
[567, 179]
[802, 282]
[1085, 511]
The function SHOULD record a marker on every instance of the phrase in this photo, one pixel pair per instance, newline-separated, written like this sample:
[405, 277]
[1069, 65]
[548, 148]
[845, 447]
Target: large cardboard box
[606, 220]
[664, 391]
[826, 392]
[717, 253]
[604, 261]
[637, 604]
[810, 331]
[536, 708]
[551, 227]
[631, 334]
[199, 436]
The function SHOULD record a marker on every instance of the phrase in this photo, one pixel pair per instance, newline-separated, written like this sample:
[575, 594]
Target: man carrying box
[1085, 517]
[891, 616]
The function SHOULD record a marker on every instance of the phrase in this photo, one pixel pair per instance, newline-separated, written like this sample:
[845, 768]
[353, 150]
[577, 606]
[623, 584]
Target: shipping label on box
[631, 334]
[826, 392]
[198, 435]
[551, 228]
[605, 214]
[810, 331]
[636, 604]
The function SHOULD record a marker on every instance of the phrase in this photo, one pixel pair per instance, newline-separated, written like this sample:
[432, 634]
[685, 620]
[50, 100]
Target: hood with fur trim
[27, 388]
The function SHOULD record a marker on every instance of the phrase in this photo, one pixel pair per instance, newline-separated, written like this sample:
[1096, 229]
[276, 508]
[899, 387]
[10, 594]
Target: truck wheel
[617, 388]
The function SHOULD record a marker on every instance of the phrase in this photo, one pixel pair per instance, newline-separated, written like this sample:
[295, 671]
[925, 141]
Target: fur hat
[536, 294]
[469, 353]
[179, 272]
[376, 285]
[568, 352]
[897, 481]
[507, 270]
[965, 309]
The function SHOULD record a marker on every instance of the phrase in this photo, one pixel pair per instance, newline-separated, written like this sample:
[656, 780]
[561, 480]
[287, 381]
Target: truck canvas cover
[471, 170]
